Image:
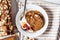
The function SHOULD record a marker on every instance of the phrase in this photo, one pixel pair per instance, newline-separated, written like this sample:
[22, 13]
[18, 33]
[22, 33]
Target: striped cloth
[53, 11]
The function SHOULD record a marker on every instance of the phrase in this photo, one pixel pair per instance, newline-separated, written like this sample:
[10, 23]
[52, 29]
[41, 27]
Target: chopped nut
[3, 33]
[3, 28]
[11, 27]
[0, 0]
[5, 7]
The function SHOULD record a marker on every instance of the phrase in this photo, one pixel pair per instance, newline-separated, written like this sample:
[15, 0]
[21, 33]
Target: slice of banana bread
[5, 18]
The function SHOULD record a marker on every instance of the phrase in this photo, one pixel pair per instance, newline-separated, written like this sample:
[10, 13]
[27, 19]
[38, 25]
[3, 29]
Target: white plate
[32, 7]
[53, 1]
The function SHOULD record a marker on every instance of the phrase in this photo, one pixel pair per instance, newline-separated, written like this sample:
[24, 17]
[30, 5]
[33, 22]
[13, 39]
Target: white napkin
[53, 14]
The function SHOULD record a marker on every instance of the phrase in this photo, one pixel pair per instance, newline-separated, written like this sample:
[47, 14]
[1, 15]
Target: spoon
[22, 17]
